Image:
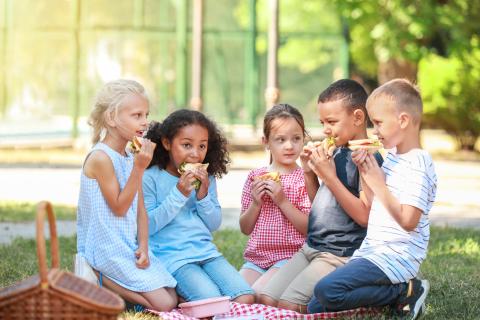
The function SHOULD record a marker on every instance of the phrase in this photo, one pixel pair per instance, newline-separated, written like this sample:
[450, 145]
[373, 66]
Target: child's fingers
[142, 262]
[369, 162]
[358, 156]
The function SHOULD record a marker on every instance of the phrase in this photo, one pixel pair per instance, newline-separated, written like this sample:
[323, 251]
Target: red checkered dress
[274, 238]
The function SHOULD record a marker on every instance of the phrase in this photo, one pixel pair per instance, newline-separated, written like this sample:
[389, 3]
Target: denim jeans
[359, 283]
[254, 267]
[211, 278]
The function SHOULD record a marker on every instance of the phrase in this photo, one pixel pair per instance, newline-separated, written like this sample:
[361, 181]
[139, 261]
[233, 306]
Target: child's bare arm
[142, 222]
[312, 184]
[366, 195]
[249, 217]
[325, 169]
[296, 217]
[311, 180]
[99, 166]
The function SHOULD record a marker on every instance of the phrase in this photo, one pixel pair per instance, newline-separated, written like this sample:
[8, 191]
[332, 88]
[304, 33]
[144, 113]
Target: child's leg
[251, 272]
[257, 277]
[359, 283]
[297, 295]
[274, 289]
[264, 279]
[228, 280]
[193, 283]
[163, 299]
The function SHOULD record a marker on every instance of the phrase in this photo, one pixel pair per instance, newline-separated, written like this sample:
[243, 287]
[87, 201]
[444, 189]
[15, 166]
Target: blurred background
[55, 54]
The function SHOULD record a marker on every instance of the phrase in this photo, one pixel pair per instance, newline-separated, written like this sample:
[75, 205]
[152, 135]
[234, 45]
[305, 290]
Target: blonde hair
[404, 95]
[108, 100]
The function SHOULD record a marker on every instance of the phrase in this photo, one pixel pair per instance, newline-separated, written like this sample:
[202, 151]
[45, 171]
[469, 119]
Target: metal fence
[55, 54]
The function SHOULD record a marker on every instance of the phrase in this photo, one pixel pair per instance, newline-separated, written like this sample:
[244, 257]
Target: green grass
[14, 211]
[452, 266]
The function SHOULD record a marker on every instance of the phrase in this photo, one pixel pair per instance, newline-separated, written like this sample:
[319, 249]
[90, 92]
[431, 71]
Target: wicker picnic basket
[54, 293]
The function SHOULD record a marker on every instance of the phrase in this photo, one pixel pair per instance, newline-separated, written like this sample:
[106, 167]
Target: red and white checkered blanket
[271, 313]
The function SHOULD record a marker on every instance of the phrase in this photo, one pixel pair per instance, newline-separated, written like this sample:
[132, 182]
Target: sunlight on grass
[17, 211]
[466, 246]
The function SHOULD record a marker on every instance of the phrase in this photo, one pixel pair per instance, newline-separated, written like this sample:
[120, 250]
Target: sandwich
[371, 145]
[329, 146]
[273, 175]
[135, 145]
[186, 166]
[327, 143]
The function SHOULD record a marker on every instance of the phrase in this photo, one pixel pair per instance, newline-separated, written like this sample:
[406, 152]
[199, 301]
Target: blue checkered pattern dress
[109, 242]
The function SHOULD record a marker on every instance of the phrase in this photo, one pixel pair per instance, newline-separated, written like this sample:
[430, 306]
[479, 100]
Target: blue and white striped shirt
[411, 179]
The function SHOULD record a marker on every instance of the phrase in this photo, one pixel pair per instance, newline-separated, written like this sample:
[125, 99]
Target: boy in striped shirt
[401, 193]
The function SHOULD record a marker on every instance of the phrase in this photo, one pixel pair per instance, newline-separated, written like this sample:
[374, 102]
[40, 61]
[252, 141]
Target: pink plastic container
[206, 307]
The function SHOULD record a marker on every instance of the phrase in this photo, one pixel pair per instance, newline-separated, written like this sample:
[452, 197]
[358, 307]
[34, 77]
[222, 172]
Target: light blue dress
[109, 242]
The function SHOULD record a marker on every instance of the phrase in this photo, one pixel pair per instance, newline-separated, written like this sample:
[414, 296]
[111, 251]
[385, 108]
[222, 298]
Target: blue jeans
[254, 267]
[359, 283]
[211, 278]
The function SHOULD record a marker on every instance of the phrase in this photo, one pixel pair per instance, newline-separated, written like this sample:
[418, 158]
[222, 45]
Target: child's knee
[328, 293]
[266, 300]
[245, 298]
[167, 303]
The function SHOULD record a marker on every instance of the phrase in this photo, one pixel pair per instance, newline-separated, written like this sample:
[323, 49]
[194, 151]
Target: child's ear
[358, 117]
[265, 142]
[109, 119]
[166, 144]
[404, 119]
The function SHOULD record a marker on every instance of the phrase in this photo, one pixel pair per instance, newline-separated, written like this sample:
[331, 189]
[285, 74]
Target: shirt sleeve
[247, 193]
[416, 186]
[160, 214]
[303, 201]
[208, 208]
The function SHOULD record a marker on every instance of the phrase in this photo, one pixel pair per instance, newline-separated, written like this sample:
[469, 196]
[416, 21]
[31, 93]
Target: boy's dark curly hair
[217, 154]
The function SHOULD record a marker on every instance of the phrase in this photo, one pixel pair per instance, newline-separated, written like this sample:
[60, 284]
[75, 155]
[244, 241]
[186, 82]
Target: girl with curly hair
[181, 200]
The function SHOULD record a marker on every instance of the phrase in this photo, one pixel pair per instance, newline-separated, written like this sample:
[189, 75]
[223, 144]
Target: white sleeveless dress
[109, 242]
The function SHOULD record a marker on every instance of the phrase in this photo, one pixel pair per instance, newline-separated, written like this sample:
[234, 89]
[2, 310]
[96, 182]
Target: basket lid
[19, 288]
[86, 293]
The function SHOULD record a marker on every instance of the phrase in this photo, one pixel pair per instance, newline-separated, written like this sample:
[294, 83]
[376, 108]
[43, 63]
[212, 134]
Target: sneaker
[413, 305]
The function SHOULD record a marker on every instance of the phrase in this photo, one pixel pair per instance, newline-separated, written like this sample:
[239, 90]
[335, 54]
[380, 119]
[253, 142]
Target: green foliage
[14, 211]
[450, 93]
[440, 35]
[406, 30]
[298, 21]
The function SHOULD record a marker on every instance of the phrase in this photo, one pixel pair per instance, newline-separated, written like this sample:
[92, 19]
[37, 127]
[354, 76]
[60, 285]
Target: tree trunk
[396, 68]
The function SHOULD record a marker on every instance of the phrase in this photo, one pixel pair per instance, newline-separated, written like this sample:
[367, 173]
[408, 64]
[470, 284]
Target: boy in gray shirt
[337, 221]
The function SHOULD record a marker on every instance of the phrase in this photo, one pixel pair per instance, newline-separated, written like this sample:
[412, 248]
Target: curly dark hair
[217, 154]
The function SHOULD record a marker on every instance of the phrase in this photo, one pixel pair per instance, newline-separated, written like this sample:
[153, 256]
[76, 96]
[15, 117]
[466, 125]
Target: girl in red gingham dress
[275, 213]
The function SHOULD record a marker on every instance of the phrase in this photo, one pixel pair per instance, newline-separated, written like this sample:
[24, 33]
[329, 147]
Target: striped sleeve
[417, 185]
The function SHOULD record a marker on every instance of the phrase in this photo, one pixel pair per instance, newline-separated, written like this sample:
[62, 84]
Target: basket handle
[42, 208]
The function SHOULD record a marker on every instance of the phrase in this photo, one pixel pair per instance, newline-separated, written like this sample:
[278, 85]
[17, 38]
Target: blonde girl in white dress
[112, 226]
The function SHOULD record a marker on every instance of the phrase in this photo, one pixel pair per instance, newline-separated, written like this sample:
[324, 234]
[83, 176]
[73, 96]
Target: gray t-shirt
[330, 228]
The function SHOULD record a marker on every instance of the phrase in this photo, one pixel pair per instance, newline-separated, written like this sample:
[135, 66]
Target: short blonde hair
[404, 96]
[108, 100]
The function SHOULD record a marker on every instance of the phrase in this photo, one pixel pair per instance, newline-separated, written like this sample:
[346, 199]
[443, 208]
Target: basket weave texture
[54, 293]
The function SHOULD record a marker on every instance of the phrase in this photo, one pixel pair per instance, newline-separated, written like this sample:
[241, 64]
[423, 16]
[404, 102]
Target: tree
[397, 38]
[450, 94]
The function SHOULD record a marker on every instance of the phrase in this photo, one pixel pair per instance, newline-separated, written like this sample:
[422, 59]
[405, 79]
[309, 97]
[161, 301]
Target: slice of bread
[274, 175]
